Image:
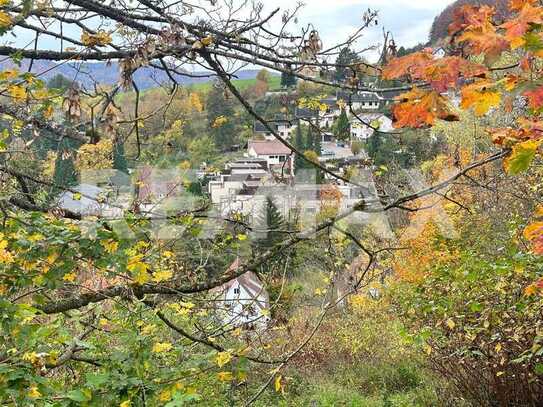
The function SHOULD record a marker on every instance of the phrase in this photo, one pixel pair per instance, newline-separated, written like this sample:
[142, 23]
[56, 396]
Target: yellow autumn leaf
[533, 231]
[48, 112]
[5, 19]
[219, 122]
[278, 385]
[451, 324]
[110, 245]
[162, 275]
[427, 349]
[34, 393]
[9, 74]
[161, 347]
[225, 376]
[319, 291]
[126, 403]
[165, 395]
[17, 92]
[498, 348]
[530, 290]
[99, 38]
[223, 358]
[70, 277]
[141, 276]
[519, 270]
[207, 41]
[480, 98]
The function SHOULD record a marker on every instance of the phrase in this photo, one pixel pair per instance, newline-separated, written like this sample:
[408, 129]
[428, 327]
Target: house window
[282, 158]
[236, 290]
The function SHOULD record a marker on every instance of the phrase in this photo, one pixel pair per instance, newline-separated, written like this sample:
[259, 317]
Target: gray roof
[358, 97]
[88, 204]
[274, 124]
[303, 113]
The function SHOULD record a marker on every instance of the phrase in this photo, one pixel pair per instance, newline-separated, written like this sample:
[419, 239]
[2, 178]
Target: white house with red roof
[277, 155]
[245, 300]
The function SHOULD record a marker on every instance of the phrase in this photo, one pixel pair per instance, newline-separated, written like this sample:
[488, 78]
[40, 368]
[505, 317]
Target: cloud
[408, 20]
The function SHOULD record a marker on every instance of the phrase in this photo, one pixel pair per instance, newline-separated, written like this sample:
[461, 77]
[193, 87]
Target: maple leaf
[533, 231]
[480, 97]
[223, 358]
[535, 97]
[162, 275]
[487, 42]
[470, 17]
[225, 376]
[518, 26]
[411, 64]
[419, 108]
[161, 347]
[517, 5]
[505, 136]
[521, 156]
[445, 72]
[98, 39]
[530, 290]
[5, 20]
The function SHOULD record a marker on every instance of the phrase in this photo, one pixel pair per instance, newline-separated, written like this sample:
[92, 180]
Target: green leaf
[80, 395]
[97, 380]
[521, 157]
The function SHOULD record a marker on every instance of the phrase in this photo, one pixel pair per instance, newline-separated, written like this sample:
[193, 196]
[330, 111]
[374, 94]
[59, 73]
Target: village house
[279, 157]
[227, 184]
[360, 131]
[367, 101]
[280, 124]
[244, 301]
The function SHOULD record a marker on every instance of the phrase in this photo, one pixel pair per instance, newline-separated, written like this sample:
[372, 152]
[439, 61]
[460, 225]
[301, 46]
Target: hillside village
[269, 164]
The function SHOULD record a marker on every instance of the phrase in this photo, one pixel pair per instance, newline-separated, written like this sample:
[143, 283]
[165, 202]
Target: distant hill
[86, 73]
[441, 23]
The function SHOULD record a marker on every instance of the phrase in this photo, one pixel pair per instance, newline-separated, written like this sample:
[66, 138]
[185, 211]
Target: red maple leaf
[518, 26]
[535, 97]
[420, 108]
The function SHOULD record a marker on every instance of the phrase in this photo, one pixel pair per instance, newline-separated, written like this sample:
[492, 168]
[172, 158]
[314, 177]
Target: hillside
[107, 73]
[441, 23]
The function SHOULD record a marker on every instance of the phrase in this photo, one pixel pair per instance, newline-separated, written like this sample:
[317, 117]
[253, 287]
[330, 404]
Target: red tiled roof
[269, 147]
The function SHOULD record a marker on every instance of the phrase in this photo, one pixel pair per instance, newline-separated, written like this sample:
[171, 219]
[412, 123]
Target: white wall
[243, 308]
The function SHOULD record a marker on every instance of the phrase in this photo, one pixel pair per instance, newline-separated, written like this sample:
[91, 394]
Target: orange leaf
[534, 231]
[530, 290]
[487, 42]
[441, 73]
[480, 97]
[517, 5]
[471, 18]
[419, 108]
[408, 65]
[445, 72]
[518, 26]
[535, 98]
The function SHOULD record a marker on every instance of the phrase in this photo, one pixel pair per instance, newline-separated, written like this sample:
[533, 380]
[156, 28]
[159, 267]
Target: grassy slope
[241, 84]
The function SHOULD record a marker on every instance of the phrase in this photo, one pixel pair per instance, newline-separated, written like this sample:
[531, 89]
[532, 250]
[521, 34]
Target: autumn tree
[220, 111]
[147, 276]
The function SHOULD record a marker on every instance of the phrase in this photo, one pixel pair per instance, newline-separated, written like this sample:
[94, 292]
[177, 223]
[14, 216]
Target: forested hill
[442, 21]
[105, 73]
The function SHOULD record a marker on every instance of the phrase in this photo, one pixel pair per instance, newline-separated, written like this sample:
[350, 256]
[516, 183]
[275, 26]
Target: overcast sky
[408, 20]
